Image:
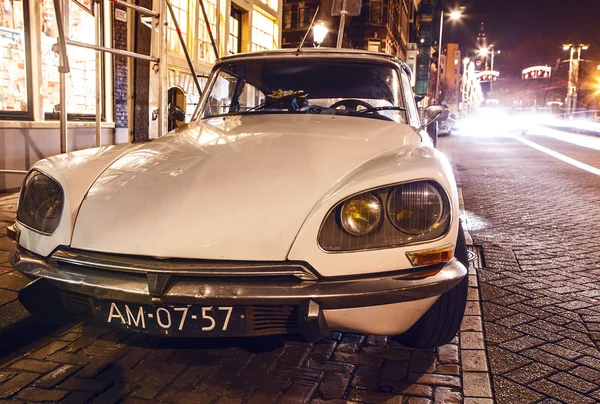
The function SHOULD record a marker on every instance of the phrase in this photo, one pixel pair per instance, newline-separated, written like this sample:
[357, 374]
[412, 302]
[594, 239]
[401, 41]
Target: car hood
[234, 188]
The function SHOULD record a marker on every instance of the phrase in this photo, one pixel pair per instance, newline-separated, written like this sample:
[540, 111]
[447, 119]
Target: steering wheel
[353, 104]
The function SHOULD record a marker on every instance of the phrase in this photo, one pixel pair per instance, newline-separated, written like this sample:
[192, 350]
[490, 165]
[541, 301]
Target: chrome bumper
[135, 287]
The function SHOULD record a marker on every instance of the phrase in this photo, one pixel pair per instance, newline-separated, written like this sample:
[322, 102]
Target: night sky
[526, 30]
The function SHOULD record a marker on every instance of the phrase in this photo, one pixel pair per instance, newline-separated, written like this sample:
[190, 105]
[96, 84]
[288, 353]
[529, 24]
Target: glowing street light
[454, 15]
[319, 33]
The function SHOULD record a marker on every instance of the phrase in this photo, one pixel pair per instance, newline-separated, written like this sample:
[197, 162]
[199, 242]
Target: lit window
[180, 8]
[204, 45]
[303, 17]
[13, 77]
[376, 12]
[81, 80]
[287, 17]
[455, 62]
[272, 4]
[235, 25]
[265, 32]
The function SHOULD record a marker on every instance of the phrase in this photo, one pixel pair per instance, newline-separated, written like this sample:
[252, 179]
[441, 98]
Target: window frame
[55, 116]
[24, 115]
[371, 13]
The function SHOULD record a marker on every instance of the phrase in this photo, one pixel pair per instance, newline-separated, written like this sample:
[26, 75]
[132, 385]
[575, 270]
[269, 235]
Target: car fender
[403, 164]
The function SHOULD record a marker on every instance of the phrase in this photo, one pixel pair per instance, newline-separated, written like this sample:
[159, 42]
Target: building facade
[450, 76]
[29, 77]
[374, 25]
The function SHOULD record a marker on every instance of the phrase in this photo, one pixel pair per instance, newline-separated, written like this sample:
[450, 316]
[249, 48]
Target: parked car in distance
[303, 197]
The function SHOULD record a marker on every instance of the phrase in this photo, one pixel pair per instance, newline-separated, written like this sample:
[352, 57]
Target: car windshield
[319, 86]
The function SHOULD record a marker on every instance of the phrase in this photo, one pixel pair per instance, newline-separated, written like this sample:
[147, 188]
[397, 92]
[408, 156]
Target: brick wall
[141, 78]
[120, 72]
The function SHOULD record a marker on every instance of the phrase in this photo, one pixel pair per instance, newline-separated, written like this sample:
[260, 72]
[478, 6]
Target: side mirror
[176, 113]
[435, 113]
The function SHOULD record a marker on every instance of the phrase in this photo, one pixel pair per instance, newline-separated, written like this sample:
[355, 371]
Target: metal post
[576, 78]
[98, 81]
[343, 13]
[437, 81]
[570, 88]
[491, 81]
[62, 15]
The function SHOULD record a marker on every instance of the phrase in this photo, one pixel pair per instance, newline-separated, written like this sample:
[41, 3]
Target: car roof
[355, 54]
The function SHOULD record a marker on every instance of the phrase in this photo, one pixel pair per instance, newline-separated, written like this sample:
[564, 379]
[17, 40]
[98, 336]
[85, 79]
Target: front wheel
[441, 322]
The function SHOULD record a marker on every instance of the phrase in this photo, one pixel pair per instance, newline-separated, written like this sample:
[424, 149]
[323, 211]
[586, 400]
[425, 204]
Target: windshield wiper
[386, 108]
[274, 101]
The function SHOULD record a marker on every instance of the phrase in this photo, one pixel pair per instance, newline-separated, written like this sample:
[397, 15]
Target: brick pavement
[536, 219]
[86, 363]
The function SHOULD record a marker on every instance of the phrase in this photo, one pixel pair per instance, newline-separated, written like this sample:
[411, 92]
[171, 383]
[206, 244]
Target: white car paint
[255, 187]
[235, 188]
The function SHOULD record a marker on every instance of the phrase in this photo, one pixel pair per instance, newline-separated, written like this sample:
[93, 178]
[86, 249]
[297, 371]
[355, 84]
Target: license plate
[181, 320]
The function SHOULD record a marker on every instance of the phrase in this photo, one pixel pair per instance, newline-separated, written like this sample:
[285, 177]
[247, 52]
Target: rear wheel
[441, 322]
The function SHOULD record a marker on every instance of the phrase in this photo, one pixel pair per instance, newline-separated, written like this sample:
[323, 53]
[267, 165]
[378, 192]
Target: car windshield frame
[395, 109]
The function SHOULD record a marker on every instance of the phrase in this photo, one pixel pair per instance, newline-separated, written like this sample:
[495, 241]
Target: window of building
[455, 71]
[204, 45]
[303, 17]
[180, 9]
[374, 45]
[272, 4]
[287, 16]
[81, 80]
[376, 12]
[235, 30]
[14, 89]
[265, 32]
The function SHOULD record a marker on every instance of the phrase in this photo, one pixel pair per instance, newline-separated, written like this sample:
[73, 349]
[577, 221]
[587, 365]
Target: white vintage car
[304, 197]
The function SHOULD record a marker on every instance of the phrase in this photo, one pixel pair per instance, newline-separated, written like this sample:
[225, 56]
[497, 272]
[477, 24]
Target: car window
[410, 101]
[365, 90]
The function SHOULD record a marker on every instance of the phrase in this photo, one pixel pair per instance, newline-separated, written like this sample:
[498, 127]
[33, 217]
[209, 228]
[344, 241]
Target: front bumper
[311, 298]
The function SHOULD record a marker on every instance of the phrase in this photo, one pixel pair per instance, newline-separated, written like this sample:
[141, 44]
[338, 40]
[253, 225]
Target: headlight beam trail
[559, 156]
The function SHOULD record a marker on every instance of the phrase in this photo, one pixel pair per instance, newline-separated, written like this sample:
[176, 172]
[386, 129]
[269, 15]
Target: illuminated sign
[536, 72]
[488, 75]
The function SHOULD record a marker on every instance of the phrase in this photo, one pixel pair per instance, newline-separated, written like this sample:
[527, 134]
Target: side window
[411, 106]
[228, 95]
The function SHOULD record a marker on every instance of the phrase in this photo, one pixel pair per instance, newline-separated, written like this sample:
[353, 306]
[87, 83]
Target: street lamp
[454, 15]
[319, 33]
[573, 74]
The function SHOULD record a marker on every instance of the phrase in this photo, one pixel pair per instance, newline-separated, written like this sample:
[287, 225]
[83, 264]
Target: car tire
[441, 322]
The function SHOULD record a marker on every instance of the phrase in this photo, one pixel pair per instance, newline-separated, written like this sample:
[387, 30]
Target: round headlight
[415, 208]
[361, 215]
[40, 203]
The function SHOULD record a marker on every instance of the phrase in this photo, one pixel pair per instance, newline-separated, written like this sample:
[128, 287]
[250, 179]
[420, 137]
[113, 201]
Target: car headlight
[415, 208]
[361, 215]
[40, 203]
[411, 213]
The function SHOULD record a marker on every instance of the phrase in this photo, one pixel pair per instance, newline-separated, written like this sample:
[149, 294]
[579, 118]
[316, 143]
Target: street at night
[532, 218]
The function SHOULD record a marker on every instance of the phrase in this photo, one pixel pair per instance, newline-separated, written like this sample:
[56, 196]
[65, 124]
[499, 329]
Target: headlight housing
[391, 216]
[40, 203]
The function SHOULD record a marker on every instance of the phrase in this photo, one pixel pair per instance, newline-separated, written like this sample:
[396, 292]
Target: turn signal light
[11, 233]
[431, 256]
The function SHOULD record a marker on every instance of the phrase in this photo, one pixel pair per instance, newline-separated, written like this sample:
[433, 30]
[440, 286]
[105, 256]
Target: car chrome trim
[371, 290]
[188, 267]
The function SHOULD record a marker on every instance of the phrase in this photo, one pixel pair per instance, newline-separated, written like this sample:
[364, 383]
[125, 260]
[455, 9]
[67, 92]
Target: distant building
[450, 76]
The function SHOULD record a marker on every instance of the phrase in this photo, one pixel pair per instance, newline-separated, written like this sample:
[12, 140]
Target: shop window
[376, 12]
[235, 30]
[265, 32]
[180, 9]
[14, 88]
[81, 80]
[204, 45]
